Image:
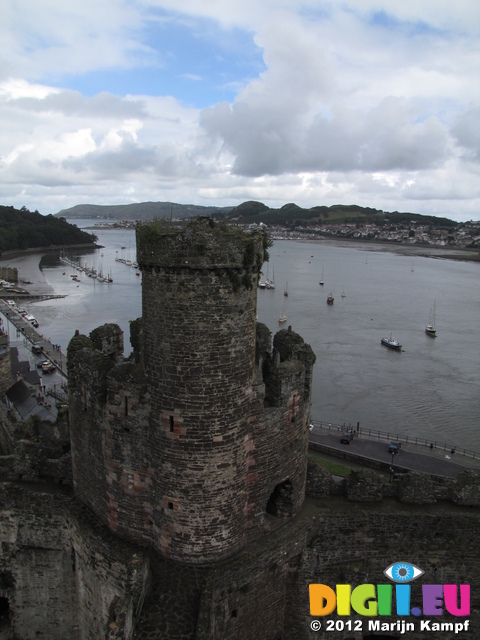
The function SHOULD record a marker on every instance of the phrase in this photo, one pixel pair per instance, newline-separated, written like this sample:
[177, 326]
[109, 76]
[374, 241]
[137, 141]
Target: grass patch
[335, 468]
[462, 257]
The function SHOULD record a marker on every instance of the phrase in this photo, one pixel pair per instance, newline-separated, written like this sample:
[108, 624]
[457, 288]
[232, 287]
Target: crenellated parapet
[200, 244]
[109, 413]
[278, 435]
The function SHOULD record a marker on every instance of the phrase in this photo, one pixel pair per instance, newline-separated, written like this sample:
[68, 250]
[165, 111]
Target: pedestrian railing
[389, 436]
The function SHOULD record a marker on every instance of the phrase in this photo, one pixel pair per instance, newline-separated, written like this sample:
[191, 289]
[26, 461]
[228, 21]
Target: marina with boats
[89, 271]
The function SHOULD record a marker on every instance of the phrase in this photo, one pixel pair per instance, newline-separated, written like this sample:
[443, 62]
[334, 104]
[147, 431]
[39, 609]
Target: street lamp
[391, 467]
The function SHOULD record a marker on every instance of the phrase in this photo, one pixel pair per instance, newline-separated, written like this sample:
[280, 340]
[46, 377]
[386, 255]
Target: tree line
[22, 229]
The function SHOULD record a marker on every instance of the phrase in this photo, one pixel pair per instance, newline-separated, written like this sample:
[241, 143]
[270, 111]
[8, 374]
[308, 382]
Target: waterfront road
[374, 452]
[34, 336]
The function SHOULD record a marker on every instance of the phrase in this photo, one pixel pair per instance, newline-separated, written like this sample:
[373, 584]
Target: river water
[431, 389]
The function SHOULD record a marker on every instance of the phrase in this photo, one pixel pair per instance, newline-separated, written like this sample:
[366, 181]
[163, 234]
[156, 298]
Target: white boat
[283, 313]
[430, 329]
[271, 283]
[267, 283]
[391, 342]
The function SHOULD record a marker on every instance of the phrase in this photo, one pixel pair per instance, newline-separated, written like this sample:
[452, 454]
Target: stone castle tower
[192, 445]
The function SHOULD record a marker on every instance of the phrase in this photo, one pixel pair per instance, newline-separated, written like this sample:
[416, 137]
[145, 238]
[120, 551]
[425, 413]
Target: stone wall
[355, 544]
[366, 485]
[62, 573]
[262, 591]
[109, 411]
[278, 436]
[35, 555]
[6, 380]
[66, 576]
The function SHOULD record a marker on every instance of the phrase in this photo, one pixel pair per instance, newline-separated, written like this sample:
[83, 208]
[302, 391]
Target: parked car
[394, 447]
[346, 438]
[48, 367]
[36, 348]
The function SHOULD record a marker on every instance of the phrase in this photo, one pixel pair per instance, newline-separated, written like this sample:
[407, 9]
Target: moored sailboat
[430, 329]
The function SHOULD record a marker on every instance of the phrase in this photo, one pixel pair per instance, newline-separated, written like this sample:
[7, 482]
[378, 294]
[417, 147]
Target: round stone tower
[199, 318]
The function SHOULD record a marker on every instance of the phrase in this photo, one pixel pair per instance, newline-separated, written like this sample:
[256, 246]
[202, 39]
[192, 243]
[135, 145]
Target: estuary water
[431, 389]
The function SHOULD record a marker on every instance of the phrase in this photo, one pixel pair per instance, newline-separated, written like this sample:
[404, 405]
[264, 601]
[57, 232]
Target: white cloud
[367, 102]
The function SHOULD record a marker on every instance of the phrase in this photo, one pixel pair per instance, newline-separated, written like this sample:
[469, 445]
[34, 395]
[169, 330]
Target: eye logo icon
[403, 572]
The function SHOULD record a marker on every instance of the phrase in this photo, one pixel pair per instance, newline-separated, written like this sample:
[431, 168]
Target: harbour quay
[51, 352]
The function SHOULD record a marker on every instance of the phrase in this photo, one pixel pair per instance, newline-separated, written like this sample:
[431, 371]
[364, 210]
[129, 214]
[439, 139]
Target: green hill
[140, 211]
[22, 229]
[291, 215]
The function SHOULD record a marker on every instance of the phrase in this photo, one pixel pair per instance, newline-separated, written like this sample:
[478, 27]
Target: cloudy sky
[370, 102]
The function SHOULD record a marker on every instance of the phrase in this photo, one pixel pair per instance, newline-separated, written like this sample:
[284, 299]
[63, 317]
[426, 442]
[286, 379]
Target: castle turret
[199, 317]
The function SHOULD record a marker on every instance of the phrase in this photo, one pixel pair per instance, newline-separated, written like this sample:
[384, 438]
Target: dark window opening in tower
[280, 503]
[171, 424]
[4, 617]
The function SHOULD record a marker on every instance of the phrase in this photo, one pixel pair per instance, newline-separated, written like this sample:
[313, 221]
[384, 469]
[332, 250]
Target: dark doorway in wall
[4, 614]
[280, 503]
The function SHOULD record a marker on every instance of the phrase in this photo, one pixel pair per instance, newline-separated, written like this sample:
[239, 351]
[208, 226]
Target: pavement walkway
[411, 457]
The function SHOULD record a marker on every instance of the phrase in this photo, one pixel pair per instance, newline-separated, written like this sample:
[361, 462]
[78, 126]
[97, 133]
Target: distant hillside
[140, 211]
[21, 229]
[289, 215]
[293, 215]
